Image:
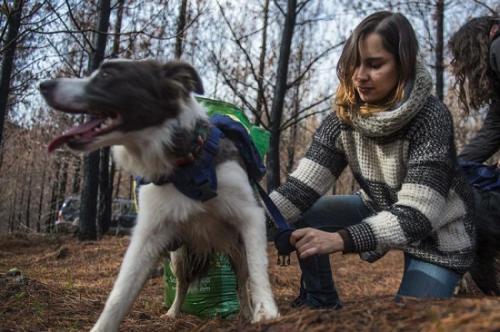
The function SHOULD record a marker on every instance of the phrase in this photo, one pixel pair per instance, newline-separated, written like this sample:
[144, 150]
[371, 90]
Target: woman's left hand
[311, 241]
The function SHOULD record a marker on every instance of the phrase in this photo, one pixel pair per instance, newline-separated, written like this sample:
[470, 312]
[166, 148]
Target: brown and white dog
[146, 111]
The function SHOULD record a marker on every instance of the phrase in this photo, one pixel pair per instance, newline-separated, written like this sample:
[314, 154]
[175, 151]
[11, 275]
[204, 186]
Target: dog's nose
[47, 86]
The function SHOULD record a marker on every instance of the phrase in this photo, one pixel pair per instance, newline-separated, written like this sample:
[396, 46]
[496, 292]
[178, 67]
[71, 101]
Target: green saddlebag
[215, 294]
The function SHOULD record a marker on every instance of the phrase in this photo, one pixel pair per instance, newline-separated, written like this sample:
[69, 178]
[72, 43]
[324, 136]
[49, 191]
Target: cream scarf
[388, 122]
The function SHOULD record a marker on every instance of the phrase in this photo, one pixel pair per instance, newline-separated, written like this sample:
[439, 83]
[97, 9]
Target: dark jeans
[332, 213]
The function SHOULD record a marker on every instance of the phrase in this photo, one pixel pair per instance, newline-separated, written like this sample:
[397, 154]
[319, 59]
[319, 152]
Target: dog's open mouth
[81, 135]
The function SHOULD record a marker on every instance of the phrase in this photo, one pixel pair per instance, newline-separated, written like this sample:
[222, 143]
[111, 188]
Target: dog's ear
[185, 74]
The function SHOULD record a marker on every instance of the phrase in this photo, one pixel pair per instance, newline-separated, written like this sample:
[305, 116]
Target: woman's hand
[311, 241]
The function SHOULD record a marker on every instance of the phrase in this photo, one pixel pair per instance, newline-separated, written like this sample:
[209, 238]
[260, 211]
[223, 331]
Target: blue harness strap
[196, 180]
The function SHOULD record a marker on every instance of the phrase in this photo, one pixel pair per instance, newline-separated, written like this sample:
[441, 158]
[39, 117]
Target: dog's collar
[201, 132]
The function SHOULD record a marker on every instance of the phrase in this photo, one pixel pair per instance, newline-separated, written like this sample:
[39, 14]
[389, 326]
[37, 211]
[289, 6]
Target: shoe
[303, 301]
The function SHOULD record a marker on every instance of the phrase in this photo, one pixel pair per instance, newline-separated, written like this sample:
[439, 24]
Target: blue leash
[282, 238]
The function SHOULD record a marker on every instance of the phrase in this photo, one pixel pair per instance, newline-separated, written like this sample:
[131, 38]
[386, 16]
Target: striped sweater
[405, 163]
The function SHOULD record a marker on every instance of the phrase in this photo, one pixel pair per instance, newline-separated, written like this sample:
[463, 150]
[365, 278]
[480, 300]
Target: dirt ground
[64, 285]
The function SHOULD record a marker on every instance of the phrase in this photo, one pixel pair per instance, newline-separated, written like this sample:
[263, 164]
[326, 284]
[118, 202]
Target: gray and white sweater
[405, 163]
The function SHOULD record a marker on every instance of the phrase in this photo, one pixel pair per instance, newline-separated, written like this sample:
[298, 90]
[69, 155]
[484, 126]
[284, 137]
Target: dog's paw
[265, 311]
[171, 314]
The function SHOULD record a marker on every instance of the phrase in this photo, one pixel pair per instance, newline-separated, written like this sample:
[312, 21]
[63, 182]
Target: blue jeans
[332, 213]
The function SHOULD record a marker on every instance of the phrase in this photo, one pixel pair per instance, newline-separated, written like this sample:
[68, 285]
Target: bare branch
[75, 23]
[279, 7]
[245, 53]
[299, 78]
[491, 10]
[294, 120]
[302, 5]
[299, 119]
[233, 88]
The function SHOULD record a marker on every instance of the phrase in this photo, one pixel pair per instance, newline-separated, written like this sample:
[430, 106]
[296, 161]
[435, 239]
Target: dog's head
[121, 97]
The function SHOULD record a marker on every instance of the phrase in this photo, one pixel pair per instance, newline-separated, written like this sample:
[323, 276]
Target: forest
[273, 59]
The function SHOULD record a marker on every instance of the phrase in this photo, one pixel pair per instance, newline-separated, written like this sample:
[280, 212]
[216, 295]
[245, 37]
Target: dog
[147, 112]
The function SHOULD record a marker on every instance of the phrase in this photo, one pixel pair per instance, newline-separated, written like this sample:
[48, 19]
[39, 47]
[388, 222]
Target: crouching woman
[398, 141]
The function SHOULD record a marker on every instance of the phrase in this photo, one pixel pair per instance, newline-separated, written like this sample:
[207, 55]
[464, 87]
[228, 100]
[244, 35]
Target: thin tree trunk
[118, 28]
[63, 179]
[181, 26]
[295, 113]
[53, 207]
[439, 49]
[105, 193]
[12, 214]
[24, 189]
[262, 63]
[30, 191]
[77, 179]
[88, 207]
[105, 185]
[273, 157]
[40, 202]
[14, 23]
[118, 184]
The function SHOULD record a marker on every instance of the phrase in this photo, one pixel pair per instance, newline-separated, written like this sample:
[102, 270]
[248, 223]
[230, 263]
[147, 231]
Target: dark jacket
[487, 140]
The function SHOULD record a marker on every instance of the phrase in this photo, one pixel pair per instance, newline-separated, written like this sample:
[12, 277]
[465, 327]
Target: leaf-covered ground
[64, 283]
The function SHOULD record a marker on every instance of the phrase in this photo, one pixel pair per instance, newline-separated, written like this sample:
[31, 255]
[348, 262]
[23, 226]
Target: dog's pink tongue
[84, 129]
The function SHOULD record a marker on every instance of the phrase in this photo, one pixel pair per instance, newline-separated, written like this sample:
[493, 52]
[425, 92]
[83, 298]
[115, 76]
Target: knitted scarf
[386, 123]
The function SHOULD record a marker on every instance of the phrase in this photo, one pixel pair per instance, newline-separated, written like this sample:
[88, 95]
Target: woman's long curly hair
[469, 47]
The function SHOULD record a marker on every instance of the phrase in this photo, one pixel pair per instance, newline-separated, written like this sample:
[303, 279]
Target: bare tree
[106, 168]
[181, 26]
[273, 156]
[88, 205]
[14, 22]
[439, 15]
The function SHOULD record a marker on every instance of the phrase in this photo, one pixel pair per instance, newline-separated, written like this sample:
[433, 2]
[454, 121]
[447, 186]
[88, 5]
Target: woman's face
[376, 76]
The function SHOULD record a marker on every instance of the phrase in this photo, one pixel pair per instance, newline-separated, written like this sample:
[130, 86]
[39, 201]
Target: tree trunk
[295, 114]
[88, 207]
[24, 189]
[105, 184]
[40, 202]
[262, 63]
[273, 156]
[51, 217]
[14, 22]
[77, 179]
[105, 193]
[30, 191]
[181, 26]
[118, 183]
[439, 49]
[12, 214]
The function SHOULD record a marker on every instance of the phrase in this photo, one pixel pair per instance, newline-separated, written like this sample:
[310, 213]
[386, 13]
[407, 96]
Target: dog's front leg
[148, 243]
[253, 232]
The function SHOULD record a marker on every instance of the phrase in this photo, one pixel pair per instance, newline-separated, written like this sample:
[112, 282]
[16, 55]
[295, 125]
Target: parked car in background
[68, 215]
[123, 215]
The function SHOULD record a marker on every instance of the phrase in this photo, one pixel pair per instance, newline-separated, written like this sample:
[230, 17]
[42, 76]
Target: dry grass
[66, 283]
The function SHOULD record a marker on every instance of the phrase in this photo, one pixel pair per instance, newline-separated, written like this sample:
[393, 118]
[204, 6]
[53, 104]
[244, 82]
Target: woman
[475, 49]
[398, 141]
